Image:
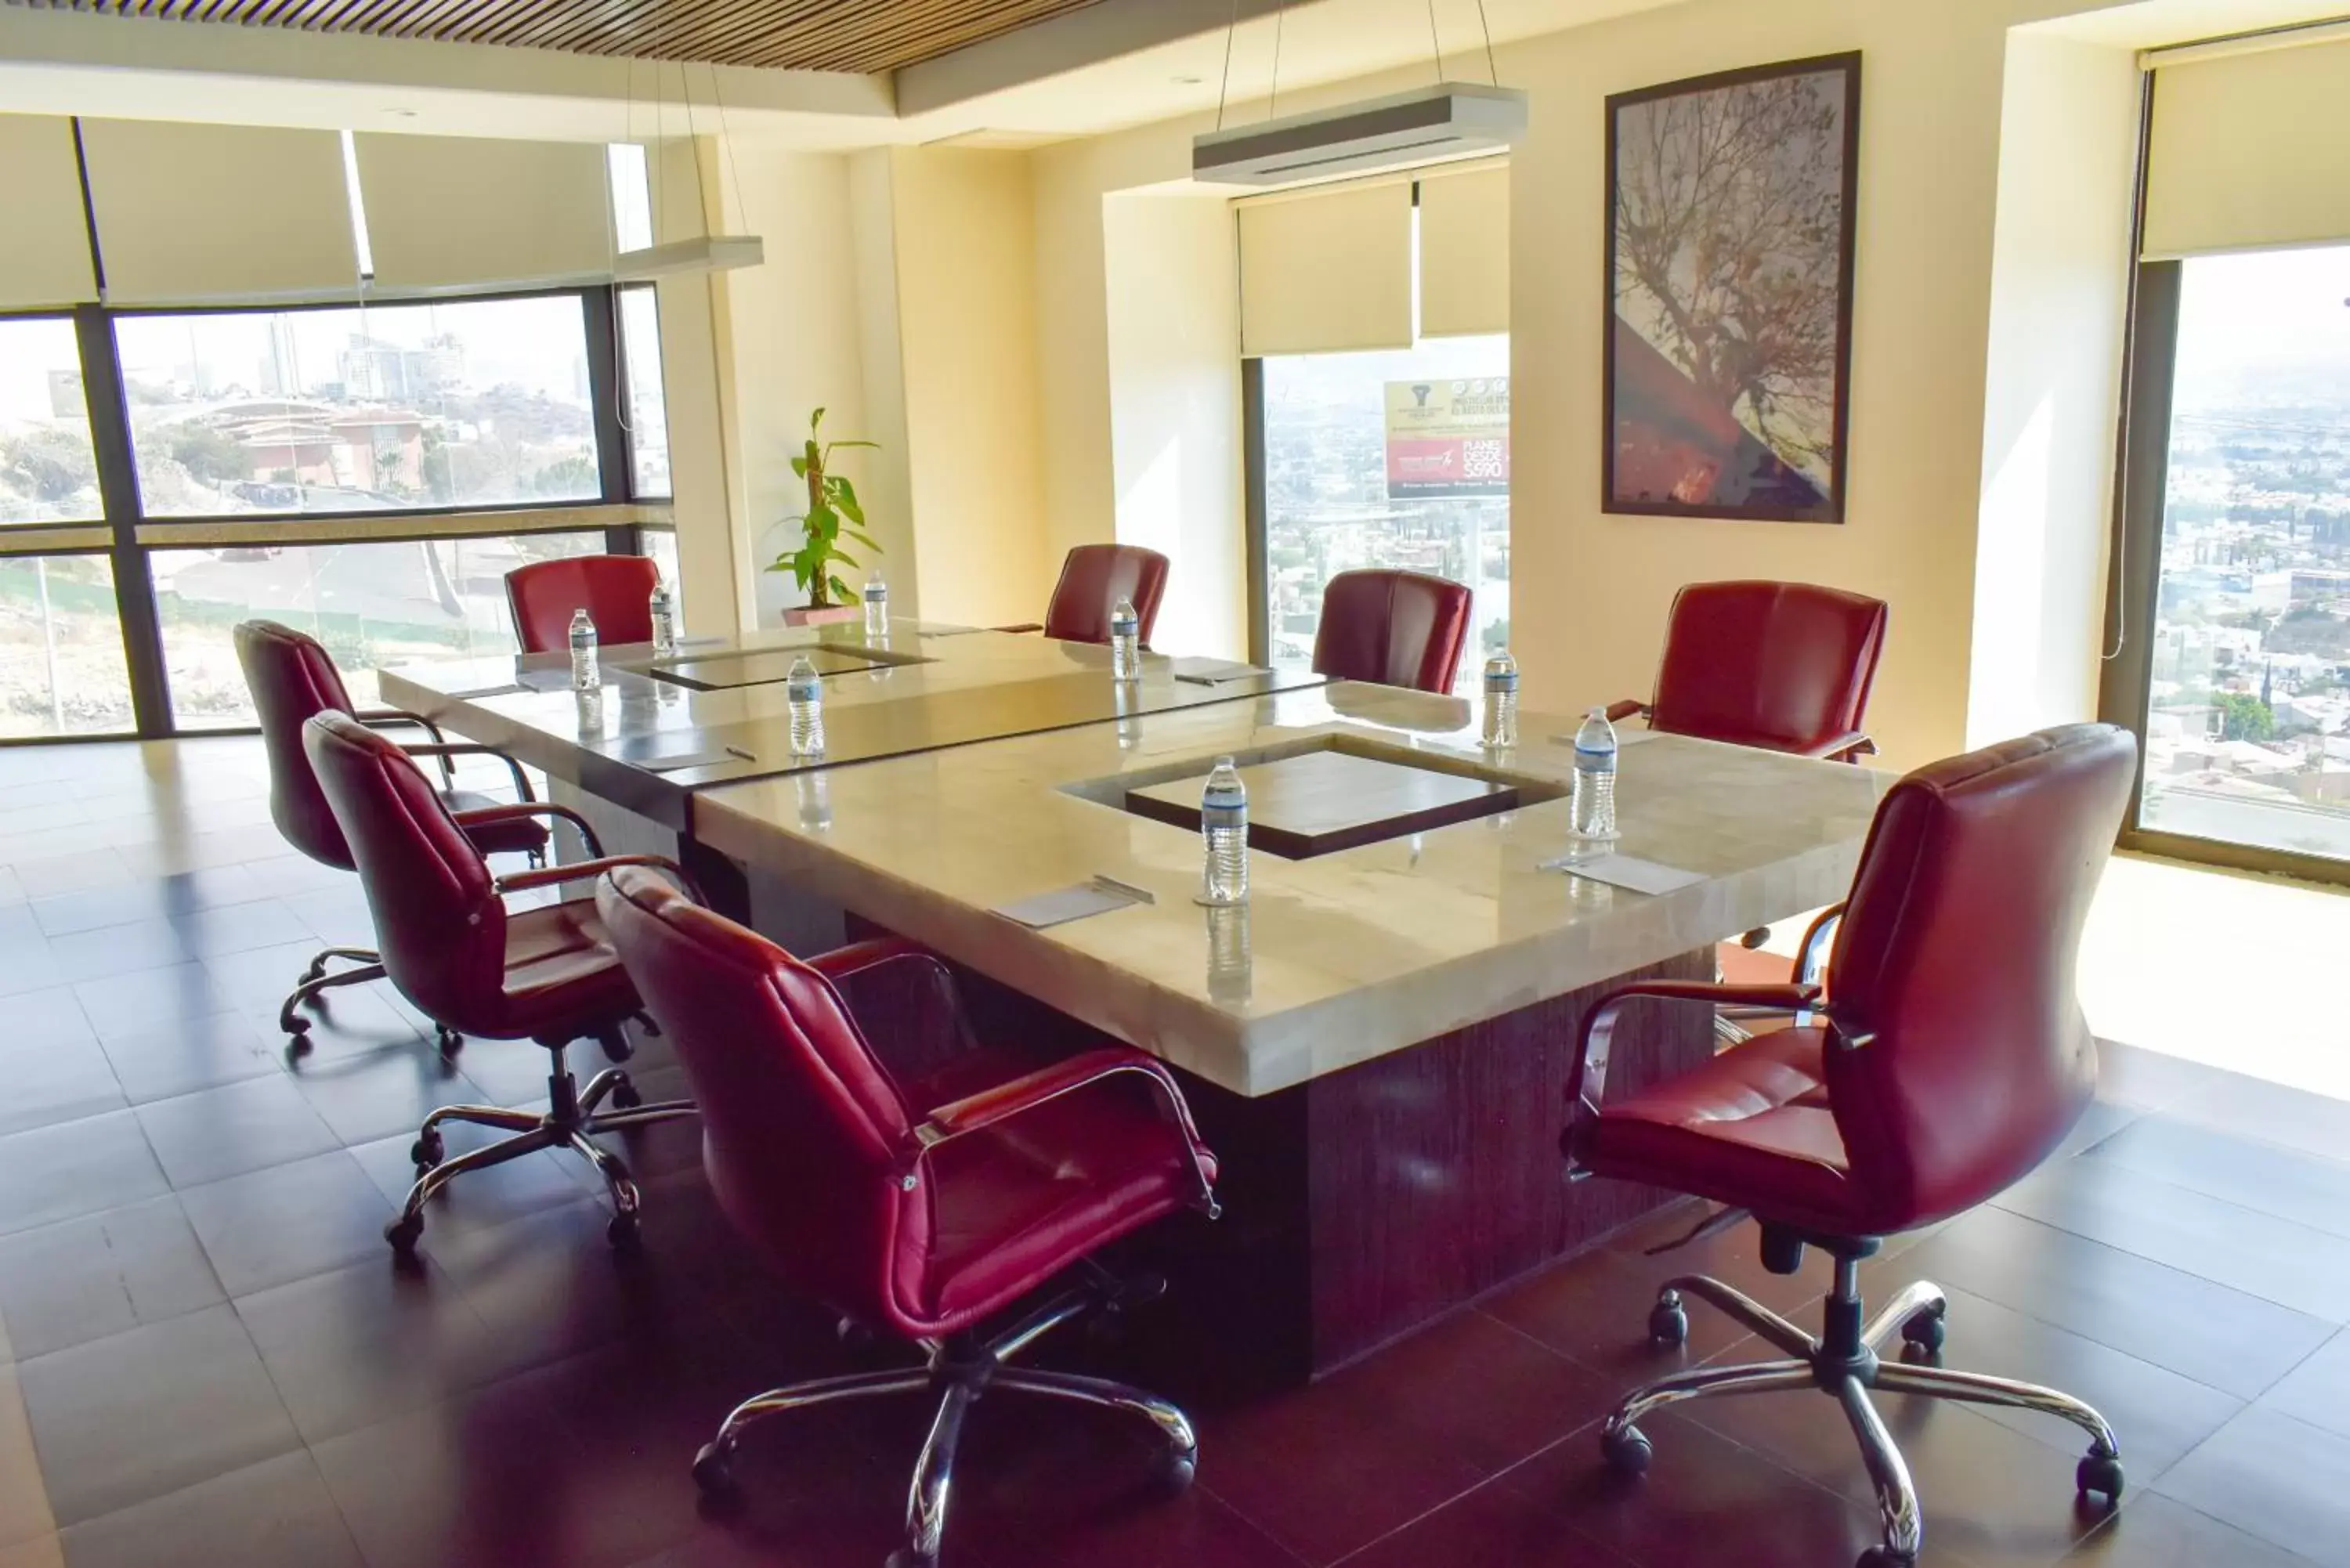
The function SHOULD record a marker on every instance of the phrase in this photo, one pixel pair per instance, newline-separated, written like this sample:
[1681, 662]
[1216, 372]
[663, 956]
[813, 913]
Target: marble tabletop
[1337, 958]
[661, 729]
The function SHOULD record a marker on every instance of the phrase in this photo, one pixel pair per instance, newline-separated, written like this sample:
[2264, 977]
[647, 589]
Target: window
[2247, 703]
[47, 473]
[62, 670]
[479, 402]
[640, 348]
[371, 604]
[1394, 458]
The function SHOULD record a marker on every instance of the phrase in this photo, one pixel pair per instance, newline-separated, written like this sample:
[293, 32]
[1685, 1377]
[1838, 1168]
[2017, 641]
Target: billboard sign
[1448, 438]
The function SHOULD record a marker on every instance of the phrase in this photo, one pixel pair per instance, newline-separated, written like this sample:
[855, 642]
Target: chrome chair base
[367, 965]
[960, 1371]
[1843, 1362]
[572, 1121]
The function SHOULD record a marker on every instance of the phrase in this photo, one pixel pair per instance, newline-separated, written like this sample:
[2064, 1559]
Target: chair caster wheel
[1669, 1321]
[402, 1234]
[906, 1557]
[714, 1470]
[1172, 1473]
[2101, 1474]
[853, 1336]
[425, 1152]
[625, 1096]
[1884, 1557]
[448, 1040]
[297, 1036]
[621, 1232]
[1627, 1450]
[1926, 1329]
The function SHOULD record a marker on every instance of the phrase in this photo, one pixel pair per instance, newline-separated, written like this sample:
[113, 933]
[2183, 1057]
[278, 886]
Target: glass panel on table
[648, 413]
[62, 670]
[1396, 458]
[382, 408]
[2247, 713]
[370, 604]
[48, 473]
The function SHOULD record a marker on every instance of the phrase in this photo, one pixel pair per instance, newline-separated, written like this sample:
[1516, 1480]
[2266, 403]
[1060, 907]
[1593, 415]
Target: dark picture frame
[1731, 199]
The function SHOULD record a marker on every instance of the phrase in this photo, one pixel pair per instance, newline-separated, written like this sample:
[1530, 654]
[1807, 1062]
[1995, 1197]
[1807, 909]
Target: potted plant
[833, 510]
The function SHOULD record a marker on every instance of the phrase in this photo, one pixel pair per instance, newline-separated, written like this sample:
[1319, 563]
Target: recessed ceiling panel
[862, 36]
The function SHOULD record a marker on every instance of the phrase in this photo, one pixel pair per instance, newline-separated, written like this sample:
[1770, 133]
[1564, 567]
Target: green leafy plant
[833, 510]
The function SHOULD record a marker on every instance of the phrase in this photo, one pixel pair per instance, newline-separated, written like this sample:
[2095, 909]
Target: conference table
[1377, 1044]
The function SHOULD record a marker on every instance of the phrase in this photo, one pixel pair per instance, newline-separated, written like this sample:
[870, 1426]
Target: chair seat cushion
[518, 836]
[561, 970]
[1013, 1204]
[1751, 1127]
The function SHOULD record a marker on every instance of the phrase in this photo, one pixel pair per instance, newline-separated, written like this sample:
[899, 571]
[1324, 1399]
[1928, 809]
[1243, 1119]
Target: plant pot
[829, 615]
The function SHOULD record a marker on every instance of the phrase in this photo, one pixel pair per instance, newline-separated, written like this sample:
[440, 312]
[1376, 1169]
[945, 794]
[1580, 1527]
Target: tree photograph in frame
[1730, 264]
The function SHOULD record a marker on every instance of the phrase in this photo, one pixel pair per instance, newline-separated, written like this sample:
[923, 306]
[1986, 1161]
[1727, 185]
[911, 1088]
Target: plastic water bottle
[663, 610]
[587, 675]
[1502, 700]
[1125, 642]
[1594, 807]
[806, 693]
[1223, 831]
[877, 607]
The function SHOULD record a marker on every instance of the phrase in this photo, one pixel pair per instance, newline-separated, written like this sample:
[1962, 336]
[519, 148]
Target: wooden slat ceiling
[863, 35]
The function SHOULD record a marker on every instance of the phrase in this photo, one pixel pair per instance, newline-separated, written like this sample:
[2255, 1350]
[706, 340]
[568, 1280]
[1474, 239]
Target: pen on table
[739, 752]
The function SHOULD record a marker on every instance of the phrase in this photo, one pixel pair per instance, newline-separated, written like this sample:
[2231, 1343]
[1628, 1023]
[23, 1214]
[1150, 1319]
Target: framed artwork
[1729, 332]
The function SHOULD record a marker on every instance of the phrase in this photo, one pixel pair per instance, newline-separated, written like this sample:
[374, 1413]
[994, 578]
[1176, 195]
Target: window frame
[124, 532]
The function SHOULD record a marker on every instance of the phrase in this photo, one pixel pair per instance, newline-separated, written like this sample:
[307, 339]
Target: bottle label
[804, 692]
[1501, 682]
[1590, 762]
[1214, 815]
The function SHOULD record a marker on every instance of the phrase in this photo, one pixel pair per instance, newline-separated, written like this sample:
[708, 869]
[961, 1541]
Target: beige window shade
[452, 212]
[192, 213]
[1327, 272]
[44, 240]
[2247, 152]
[1464, 253]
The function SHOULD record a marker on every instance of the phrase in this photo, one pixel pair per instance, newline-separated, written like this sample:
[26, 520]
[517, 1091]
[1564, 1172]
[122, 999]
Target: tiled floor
[206, 1359]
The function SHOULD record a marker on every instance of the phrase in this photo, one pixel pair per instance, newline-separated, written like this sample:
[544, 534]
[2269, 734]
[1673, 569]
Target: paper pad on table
[1626, 871]
[1065, 904]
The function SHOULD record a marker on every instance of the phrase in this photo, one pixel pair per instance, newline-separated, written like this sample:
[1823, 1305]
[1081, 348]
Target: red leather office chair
[292, 677]
[1952, 1059]
[918, 1209]
[474, 966]
[1399, 629]
[1094, 577]
[616, 591]
[1783, 666]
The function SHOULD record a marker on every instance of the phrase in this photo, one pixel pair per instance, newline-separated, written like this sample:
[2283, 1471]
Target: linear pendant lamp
[712, 252]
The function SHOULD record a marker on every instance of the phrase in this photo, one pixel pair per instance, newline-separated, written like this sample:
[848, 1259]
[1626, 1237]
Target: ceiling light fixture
[709, 250]
[1432, 125]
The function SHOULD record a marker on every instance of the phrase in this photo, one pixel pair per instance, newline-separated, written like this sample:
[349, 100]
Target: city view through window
[1395, 458]
[2248, 717]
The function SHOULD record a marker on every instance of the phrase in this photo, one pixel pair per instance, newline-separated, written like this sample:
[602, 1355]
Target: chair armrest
[1586, 1080]
[1850, 746]
[532, 808]
[993, 1106]
[1627, 709]
[444, 750]
[387, 718]
[1025, 626]
[855, 957]
[580, 870]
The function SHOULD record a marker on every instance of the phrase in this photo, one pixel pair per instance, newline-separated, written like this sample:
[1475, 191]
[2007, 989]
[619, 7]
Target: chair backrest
[439, 922]
[615, 590]
[1094, 577]
[1957, 953]
[292, 677]
[1782, 664]
[803, 1133]
[1399, 629]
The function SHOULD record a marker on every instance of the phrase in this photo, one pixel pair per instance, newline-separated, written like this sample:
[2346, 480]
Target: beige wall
[966, 269]
[2060, 287]
[1174, 408]
[1591, 589]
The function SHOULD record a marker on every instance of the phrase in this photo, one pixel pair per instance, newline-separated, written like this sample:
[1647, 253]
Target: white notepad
[1628, 871]
[1066, 904]
[1214, 672]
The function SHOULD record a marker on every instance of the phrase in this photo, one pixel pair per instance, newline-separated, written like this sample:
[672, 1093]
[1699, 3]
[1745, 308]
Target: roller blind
[454, 212]
[1464, 253]
[2246, 151]
[43, 241]
[218, 211]
[1327, 271]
